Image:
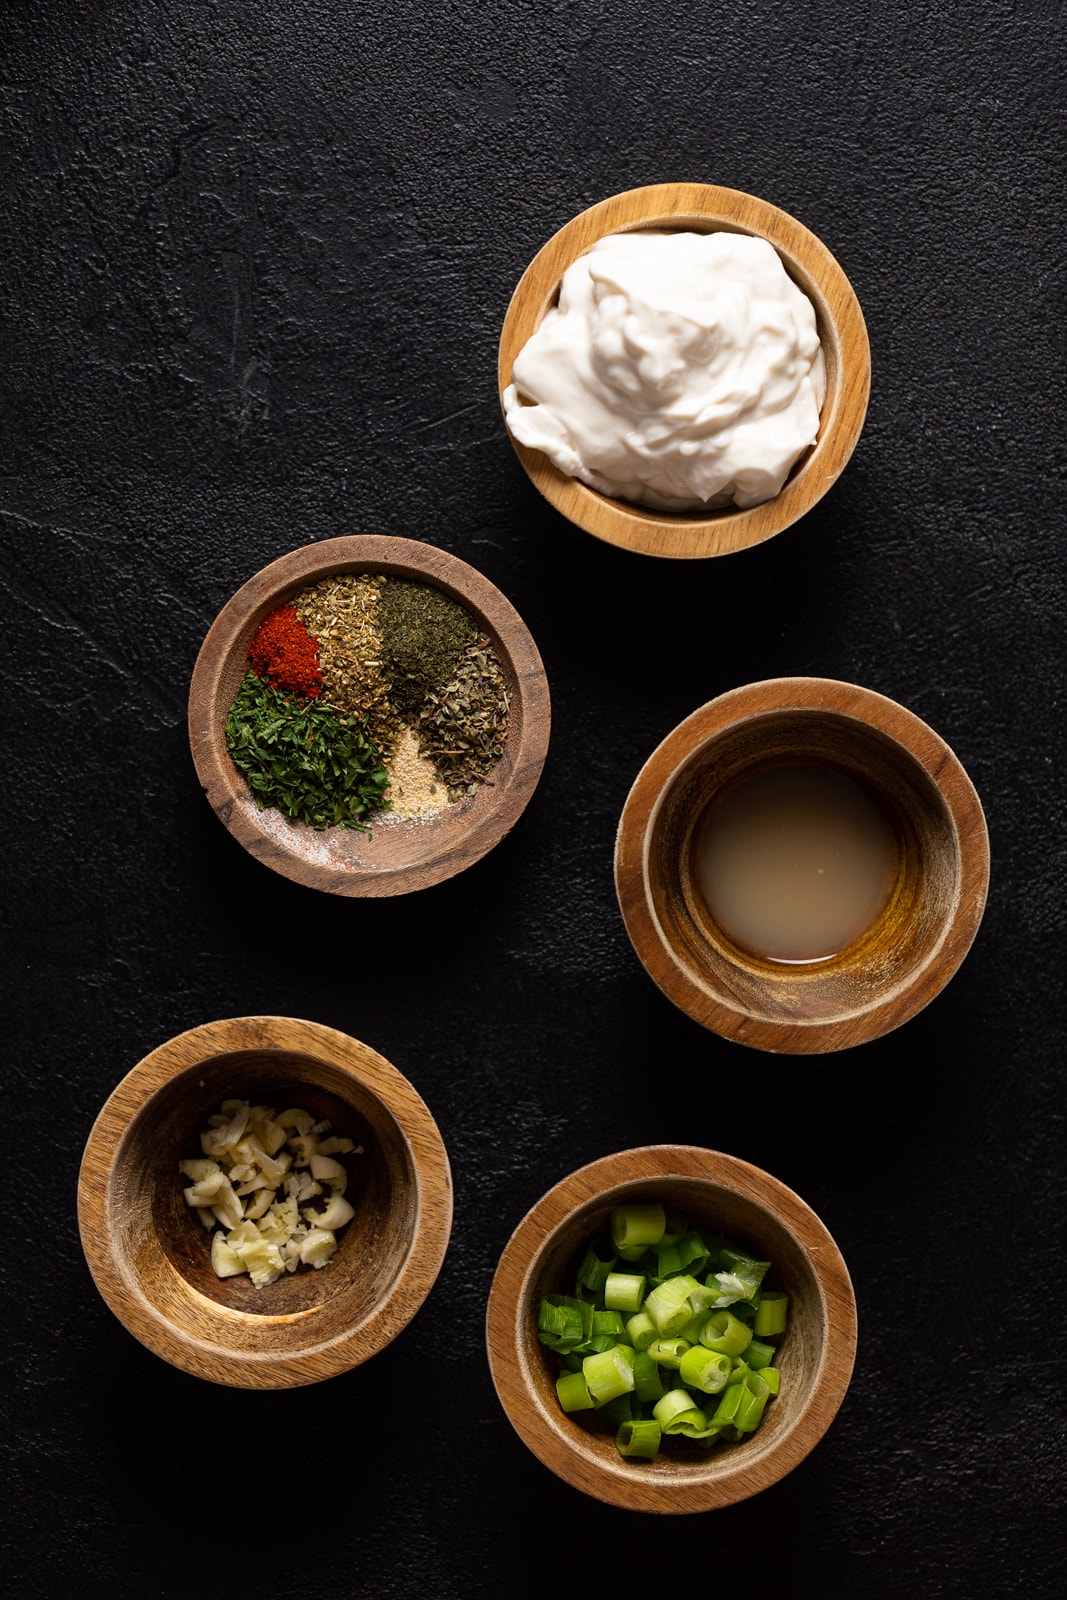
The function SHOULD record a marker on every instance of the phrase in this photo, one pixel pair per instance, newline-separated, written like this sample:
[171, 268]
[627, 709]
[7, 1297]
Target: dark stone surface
[256, 260]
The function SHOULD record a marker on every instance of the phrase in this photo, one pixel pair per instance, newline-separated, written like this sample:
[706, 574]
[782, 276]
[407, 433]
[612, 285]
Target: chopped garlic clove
[335, 1147]
[296, 1119]
[337, 1213]
[318, 1247]
[225, 1262]
[327, 1170]
[258, 1206]
[198, 1170]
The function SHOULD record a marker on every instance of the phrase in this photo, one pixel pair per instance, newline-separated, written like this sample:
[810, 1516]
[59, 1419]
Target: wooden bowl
[703, 208]
[395, 857]
[723, 1194]
[939, 880]
[150, 1257]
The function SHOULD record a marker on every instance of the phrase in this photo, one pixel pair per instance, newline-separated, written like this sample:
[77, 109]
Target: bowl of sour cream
[684, 370]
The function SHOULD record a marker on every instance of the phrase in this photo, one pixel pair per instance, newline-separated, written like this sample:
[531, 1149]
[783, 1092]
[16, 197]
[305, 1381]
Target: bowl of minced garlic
[264, 1202]
[369, 715]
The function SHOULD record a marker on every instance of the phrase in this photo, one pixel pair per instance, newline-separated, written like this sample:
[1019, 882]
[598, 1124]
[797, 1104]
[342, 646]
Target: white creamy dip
[678, 370]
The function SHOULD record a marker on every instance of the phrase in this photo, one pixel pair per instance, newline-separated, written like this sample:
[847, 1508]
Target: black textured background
[255, 260]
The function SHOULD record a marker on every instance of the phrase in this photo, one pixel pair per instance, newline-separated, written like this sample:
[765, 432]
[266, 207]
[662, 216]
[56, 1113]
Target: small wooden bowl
[150, 1257]
[395, 857]
[703, 208]
[911, 950]
[725, 1195]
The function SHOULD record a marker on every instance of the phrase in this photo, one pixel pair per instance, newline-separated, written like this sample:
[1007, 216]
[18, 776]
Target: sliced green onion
[640, 1439]
[641, 1330]
[725, 1333]
[610, 1323]
[759, 1355]
[648, 1384]
[637, 1225]
[563, 1322]
[597, 1262]
[771, 1377]
[609, 1373]
[706, 1370]
[772, 1313]
[615, 1412]
[687, 1254]
[624, 1291]
[668, 1304]
[674, 1227]
[573, 1392]
[668, 1352]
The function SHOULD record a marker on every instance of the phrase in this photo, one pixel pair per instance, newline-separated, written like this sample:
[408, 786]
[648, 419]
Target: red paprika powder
[286, 654]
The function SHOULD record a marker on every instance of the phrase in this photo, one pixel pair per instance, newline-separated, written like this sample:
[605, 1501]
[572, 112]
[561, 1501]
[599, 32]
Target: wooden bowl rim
[556, 1442]
[319, 1358]
[671, 206]
[462, 841]
[766, 698]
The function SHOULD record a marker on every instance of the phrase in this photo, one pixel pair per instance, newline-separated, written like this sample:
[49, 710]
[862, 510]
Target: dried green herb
[424, 633]
[297, 756]
[462, 726]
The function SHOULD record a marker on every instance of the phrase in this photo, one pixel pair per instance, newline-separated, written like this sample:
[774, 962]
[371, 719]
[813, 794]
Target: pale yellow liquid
[796, 863]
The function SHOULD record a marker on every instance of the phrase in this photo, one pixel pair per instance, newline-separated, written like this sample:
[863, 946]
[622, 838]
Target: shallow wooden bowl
[703, 208]
[912, 949]
[395, 857]
[723, 1194]
[150, 1257]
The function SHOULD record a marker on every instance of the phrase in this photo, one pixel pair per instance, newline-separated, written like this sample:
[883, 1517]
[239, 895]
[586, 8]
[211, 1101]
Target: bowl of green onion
[671, 1329]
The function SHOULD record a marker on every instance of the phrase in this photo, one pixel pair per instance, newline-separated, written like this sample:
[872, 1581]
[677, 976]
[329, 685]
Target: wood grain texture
[703, 208]
[911, 950]
[150, 1258]
[724, 1194]
[395, 857]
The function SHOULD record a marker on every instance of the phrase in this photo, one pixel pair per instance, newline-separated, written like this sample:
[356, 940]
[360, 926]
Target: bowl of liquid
[802, 865]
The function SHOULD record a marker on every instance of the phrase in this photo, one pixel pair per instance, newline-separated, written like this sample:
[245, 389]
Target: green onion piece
[571, 1360]
[771, 1377]
[676, 1225]
[573, 1392]
[641, 1330]
[759, 1355]
[694, 1327]
[668, 1352]
[639, 1439]
[750, 1412]
[675, 1403]
[637, 1225]
[609, 1373]
[668, 1304]
[687, 1254]
[596, 1264]
[633, 1252]
[729, 1404]
[609, 1323]
[648, 1385]
[706, 1370]
[725, 1333]
[771, 1316]
[624, 1291]
[615, 1412]
[563, 1322]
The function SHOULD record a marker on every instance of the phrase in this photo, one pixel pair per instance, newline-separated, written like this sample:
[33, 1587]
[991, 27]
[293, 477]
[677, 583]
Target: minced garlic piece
[258, 1171]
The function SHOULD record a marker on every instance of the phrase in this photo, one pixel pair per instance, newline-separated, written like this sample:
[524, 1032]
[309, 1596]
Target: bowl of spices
[684, 370]
[369, 715]
[802, 865]
[264, 1202]
[671, 1329]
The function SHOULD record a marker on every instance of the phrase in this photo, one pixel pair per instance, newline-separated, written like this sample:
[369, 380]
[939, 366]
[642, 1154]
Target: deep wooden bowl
[723, 1194]
[150, 1257]
[703, 208]
[914, 946]
[395, 857]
